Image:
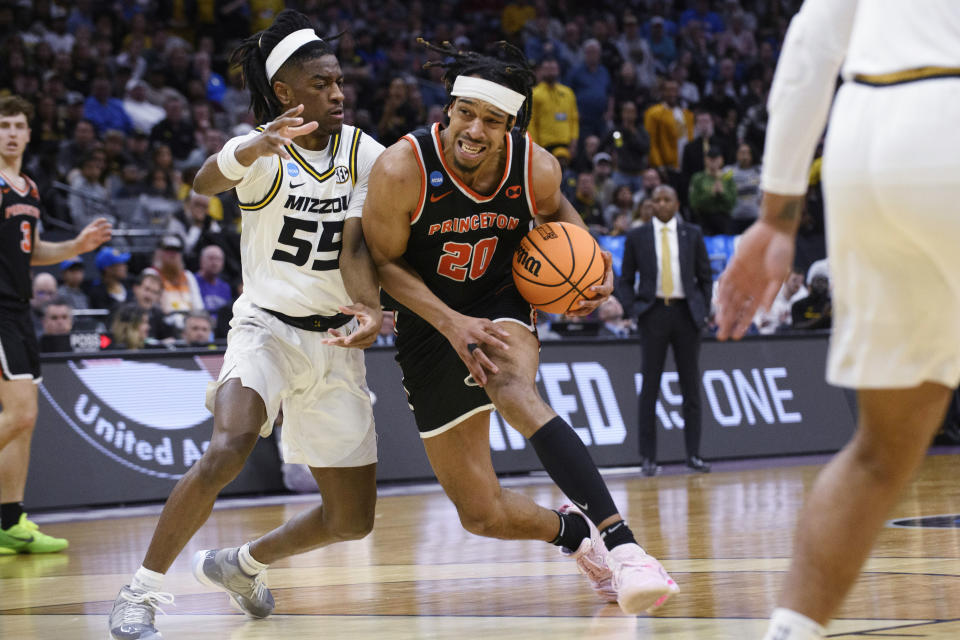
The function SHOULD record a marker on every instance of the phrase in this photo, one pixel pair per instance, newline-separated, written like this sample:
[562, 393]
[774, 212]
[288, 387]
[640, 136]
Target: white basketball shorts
[891, 177]
[327, 410]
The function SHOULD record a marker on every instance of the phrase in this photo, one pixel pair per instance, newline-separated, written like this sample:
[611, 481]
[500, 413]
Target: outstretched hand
[368, 320]
[94, 235]
[281, 132]
[601, 291]
[469, 337]
[752, 278]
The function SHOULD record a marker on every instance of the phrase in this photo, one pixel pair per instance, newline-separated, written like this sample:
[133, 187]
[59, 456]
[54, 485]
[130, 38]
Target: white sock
[146, 580]
[248, 564]
[790, 625]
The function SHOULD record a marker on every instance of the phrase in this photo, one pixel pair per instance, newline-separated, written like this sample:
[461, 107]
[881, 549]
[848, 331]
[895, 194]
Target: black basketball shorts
[439, 387]
[19, 352]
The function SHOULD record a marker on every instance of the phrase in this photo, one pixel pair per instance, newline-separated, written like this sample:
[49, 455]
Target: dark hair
[252, 54]
[12, 105]
[507, 66]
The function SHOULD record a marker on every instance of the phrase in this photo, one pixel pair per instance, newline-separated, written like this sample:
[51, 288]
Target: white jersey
[293, 216]
[873, 37]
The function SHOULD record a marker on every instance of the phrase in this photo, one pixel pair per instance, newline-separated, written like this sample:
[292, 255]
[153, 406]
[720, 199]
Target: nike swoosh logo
[434, 198]
[294, 186]
[582, 507]
[19, 539]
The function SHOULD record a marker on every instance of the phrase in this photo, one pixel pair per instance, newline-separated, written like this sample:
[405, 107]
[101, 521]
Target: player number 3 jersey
[293, 216]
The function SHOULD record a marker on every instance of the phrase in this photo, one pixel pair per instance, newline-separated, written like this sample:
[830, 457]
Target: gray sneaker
[220, 569]
[133, 612]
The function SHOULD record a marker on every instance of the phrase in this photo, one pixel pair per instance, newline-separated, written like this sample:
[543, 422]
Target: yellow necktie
[666, 270]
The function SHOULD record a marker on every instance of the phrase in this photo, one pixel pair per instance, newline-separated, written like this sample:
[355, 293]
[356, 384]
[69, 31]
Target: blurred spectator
[398, 117]
[105, 111]
[195, 227]
[83, 140]
[621, 223]
[746, 177]
[635, 51]
[72, 272]
[88, 198]
[815, 311]
[695, 151]
[712, 195]
[587, 204]
[650, 180]
[213, 141]
[613, 324]
[554, 120]
[643, 213]
[737, 38]
[130, 328]
[180, 290]
[143, 114]
[56, 326]
[216, 293]
[622, 205]
[701, 13]
[590, 83]
[111, 289]
[175, 130]
[726, 82]
[602, 172]
[44, 289]
[753, 127]
[146, 292]
[629, 145]
[662, 46]
[669, 126]
[197, 329]
[779, 315]
[386, 337]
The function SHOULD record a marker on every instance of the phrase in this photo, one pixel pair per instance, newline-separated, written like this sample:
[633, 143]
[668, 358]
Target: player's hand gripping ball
[555, 266]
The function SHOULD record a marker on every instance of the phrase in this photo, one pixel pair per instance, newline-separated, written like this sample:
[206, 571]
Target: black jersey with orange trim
[461, 242]
[19, 215]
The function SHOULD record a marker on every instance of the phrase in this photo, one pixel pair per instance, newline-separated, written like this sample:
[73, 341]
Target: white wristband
[227, 161]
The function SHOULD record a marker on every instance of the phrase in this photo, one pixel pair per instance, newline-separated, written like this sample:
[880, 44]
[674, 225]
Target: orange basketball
[555, 266]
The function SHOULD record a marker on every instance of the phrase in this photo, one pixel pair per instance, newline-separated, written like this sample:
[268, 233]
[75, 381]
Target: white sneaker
[591, 559]
[220, 569]
[132, 617]
[640, 581]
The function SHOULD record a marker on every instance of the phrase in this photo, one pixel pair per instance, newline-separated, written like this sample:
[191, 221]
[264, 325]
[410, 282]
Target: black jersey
[19, 215]
[462, 243]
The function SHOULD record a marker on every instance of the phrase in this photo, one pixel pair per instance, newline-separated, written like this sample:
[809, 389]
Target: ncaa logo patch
[342, 174]
[436, 178]
[293, 169]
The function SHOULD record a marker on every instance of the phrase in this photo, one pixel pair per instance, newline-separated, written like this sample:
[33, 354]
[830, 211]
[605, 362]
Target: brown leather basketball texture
[555, 266]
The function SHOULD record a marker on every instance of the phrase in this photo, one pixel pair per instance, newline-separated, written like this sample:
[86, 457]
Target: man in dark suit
[671, 304]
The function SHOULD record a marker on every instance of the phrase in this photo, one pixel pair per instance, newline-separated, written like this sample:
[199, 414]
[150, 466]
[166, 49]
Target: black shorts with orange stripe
[19, 351]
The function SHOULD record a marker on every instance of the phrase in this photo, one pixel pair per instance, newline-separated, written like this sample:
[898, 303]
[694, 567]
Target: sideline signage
[125, 428]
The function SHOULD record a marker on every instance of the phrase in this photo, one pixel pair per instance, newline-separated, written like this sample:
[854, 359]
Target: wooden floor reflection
[725, 537]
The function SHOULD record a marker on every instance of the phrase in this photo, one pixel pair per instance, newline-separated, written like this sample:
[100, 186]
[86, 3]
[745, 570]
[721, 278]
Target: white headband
[286, 48]
[496, 94]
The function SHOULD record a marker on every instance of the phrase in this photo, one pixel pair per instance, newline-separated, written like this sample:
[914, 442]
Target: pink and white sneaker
[591, 559]
[639, 579]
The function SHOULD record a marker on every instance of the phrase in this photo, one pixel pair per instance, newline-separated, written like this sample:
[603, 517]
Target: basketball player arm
[360, 280]
[394, 193]
[242, 152]
[799, 102]
[552, 206]
[92, 236]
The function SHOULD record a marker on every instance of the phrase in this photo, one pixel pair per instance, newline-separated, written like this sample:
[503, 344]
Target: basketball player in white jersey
[301, 180]
[890, 181]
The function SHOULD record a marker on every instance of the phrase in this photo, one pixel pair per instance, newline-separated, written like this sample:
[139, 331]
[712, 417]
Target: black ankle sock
[10, 514]
[617, 534]
[573, 529]
[568, 463]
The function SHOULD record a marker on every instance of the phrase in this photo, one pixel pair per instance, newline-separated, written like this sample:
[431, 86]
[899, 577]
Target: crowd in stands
[133, 95]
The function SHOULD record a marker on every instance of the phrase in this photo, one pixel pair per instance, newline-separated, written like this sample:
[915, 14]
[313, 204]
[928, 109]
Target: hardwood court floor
[725, 537]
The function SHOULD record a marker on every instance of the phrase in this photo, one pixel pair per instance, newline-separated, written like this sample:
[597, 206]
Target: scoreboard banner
[125, 427]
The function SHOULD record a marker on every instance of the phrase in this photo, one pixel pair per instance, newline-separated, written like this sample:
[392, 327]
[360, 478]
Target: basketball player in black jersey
[20, 247]
[445, 212]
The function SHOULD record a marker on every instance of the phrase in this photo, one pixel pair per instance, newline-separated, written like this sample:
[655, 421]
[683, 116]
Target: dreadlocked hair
[506, 66]
[252, 54]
